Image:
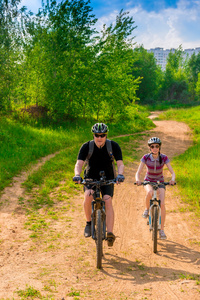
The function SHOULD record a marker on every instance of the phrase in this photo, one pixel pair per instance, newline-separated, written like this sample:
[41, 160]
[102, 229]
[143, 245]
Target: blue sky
[160, 23]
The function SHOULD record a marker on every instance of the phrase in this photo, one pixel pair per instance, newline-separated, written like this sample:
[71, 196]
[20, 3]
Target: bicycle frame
[154, 202]
[98, 216]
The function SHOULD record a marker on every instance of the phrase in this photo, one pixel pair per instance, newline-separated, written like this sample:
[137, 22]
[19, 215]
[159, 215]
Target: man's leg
[87, 204]
[109, 219]
[109, 213]
[88, 211]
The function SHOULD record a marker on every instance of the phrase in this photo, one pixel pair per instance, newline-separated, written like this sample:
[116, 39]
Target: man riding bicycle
[99, 160]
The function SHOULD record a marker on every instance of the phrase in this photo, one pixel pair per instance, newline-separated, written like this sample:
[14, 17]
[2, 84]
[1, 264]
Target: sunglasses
[100, 135]
[156, 146]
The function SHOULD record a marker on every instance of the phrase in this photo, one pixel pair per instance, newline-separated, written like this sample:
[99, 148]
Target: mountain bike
[98, 217]
[154, 220]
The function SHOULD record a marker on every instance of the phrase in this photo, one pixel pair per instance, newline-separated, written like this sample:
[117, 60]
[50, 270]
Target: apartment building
[161, 54]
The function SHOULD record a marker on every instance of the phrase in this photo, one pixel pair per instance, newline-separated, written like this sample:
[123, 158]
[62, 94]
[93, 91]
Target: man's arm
[120, 167]
[78, 167]
[77, 170]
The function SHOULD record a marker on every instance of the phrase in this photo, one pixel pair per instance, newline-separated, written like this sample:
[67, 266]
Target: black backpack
[109, 149]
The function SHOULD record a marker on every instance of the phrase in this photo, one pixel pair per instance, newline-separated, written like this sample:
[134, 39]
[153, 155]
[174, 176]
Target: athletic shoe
[162, 235]
[87, 231]
[145, 213]
[110, 239]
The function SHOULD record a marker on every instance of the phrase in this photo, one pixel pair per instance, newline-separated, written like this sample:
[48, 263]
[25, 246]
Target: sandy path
[130, 269]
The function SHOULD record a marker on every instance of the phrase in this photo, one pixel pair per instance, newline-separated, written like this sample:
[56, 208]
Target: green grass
[29, 293]
[187, 165]
[21, 144]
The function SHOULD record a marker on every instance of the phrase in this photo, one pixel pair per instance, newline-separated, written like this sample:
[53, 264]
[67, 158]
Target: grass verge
[187, 165]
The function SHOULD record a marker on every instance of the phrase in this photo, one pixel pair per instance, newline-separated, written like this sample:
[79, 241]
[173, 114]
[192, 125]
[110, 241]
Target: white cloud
[168, 28]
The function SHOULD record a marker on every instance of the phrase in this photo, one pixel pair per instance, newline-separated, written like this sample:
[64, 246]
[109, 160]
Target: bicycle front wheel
[99, 240]
[155, 228]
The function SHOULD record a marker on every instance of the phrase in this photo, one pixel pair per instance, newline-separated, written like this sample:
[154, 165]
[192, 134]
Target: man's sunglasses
[156, 146]
[100, 135]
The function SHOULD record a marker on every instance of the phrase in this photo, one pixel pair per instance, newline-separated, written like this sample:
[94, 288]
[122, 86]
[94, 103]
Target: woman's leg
[149, 194]
[161, 195]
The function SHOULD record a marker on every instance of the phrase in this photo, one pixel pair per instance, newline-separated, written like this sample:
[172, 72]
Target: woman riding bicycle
[155, 162]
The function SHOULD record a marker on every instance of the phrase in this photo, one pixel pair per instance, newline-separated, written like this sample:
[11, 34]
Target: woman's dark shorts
[105, 190]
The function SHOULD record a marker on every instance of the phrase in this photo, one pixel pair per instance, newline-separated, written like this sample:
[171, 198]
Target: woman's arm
[172, 181]
[137, 175]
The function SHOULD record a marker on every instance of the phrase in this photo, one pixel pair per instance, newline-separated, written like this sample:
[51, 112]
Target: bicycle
[154, 220]
[98, 216]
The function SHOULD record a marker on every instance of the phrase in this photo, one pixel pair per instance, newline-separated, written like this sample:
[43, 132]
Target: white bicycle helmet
[154, 140]
[99, 128]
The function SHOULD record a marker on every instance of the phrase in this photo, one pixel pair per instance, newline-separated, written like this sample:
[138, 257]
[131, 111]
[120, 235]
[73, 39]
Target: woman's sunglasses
[156, 146]
[100, 135]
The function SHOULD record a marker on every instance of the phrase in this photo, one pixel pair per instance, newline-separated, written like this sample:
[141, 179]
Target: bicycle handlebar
[97, 182]
[154, 183]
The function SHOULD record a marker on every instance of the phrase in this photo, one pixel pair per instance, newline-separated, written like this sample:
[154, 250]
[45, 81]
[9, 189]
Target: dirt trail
[62, 263]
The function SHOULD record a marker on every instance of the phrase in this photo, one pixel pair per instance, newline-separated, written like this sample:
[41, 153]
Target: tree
[66, 54]
[8, 14]
[114, 84]
[64, 65]
[12, 26]
[144, 66]
[192, 70]
[175, 85]
[198, 87]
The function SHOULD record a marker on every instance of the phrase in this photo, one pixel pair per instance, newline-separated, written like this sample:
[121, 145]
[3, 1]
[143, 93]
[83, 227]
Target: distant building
[161, 54]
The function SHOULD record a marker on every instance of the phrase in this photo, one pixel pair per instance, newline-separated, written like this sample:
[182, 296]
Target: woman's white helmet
[154, 140]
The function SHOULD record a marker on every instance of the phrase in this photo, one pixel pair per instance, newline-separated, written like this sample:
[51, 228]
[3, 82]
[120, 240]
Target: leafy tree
[58, 62]
[145, 66]
[192, 71]
[76, 73]
[115, 87]
[12, 29]
[65, 53]
[175, 85]
[198, 87]
[8, 13]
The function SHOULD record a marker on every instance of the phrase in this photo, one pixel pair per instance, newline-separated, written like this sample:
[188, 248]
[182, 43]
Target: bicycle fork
[98, 204]
[154, 202]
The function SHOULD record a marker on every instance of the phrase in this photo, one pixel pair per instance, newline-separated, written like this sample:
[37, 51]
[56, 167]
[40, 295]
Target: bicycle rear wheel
[155, 228]
[99, 241]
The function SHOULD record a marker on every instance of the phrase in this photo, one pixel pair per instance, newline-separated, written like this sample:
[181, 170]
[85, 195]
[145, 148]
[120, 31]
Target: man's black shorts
[105, 190]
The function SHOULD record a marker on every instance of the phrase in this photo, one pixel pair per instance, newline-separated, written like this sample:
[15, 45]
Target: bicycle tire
[155, 228]
[99, 240]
